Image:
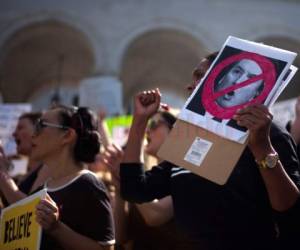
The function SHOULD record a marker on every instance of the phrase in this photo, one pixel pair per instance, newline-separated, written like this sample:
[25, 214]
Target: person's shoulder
[89, 180]
[278, 130]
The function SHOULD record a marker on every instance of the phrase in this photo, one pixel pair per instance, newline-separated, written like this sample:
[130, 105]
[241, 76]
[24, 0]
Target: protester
[150, 225]
[249, 211]
[37, 173]
[76, 213]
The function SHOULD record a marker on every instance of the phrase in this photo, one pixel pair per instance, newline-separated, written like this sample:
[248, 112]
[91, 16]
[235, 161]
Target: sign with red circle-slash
[209, 95]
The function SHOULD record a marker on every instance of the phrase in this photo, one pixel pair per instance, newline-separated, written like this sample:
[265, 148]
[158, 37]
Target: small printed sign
[198, 151]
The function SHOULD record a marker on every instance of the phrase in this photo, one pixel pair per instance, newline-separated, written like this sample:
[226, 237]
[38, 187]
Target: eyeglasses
[40, 124]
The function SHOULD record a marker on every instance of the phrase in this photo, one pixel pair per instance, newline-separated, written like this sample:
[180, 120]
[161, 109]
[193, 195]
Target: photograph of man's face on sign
[238, 78]
[239, 72]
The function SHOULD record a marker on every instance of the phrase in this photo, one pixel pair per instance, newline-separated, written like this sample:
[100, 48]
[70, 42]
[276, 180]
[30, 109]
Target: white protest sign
[284, 111]
[101, 92]
[243, 73]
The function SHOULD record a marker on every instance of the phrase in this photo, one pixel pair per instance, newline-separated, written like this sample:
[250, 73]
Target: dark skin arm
[282, 191]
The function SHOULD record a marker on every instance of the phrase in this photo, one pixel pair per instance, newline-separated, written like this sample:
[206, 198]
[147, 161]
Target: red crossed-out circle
[209, 96]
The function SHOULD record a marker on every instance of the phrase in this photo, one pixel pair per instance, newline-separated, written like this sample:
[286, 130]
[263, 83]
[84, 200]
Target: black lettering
[28, 224]
[17, 228]
[6, 230]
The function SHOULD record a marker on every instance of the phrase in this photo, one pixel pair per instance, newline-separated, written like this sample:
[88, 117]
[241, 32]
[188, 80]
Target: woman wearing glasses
[76, 213]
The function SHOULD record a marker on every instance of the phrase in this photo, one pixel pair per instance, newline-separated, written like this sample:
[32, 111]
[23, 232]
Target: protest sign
[119, 128]
[19, 229]
[103, 92]
[209, 141]
[284, 111]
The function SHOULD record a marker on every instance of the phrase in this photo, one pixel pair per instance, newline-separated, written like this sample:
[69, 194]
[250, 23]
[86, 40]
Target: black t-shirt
[26, 184]
[84, 206]
[163, 237]
[237, 215]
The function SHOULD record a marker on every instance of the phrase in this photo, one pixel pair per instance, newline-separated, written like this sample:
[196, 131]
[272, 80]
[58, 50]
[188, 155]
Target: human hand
[112, 158]
[5, 163]
[257, 119]
[147, 103]
[47, 214]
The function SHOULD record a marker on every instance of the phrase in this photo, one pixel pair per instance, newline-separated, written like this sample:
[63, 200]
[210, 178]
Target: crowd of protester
[102, 196]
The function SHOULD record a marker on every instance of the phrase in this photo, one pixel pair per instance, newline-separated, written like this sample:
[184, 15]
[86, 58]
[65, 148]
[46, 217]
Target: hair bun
[87, 146]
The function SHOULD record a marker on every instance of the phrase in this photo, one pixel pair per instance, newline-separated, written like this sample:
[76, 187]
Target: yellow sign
[18, 227]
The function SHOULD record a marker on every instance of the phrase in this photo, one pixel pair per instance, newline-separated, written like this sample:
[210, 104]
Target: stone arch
[43, 53]
[162, 57]
[293, 89]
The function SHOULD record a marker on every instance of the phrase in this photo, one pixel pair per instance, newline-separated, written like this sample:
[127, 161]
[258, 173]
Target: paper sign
[284, 111]
[119, 128]
[102, 93]
[19, 229]
[243, 73]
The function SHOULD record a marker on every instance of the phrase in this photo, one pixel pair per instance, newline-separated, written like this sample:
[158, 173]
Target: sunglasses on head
[40, 124]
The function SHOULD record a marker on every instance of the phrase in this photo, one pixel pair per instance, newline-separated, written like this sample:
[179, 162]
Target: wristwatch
[270, 161]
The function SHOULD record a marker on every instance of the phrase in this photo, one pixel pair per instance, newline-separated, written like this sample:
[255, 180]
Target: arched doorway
[43, 54]
[161, 58]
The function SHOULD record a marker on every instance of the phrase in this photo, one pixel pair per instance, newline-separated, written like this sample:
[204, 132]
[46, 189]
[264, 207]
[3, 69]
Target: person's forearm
[282, 191]
[72, 240]
[133, 150]
[121, 219]
[157, 213]
[9, 189]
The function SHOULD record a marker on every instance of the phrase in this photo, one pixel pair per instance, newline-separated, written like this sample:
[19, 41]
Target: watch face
[271, 160]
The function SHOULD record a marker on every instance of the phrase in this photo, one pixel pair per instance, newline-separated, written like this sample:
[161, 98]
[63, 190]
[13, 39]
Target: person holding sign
[76, 213]
[258, 207]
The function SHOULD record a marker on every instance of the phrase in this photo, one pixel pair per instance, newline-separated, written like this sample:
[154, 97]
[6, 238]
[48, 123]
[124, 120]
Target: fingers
[112, 158]
[47, 213]
[149, 97]
[253, 117]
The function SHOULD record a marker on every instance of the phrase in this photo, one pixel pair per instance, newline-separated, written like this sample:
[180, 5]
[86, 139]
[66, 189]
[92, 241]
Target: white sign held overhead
[104, 92]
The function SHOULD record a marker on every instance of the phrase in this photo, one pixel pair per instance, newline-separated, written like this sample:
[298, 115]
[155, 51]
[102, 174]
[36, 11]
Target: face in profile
[198, 74]
[157, 132]
[240, 72]
[23, 136]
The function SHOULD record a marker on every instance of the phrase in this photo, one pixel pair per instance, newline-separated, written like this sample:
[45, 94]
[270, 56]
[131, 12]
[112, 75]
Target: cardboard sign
[19, 229]
[205, 139]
